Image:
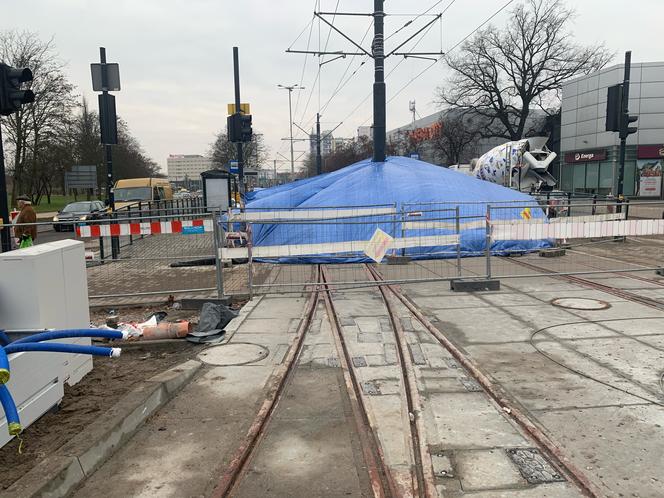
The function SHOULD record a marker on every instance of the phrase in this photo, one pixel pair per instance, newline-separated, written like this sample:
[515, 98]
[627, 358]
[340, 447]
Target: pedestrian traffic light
[245, 127]
[11, 95]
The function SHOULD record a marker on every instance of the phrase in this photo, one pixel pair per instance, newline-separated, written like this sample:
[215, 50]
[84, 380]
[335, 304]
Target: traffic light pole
[240, 159]
[623, 128]
[110, 196]
[5, 232]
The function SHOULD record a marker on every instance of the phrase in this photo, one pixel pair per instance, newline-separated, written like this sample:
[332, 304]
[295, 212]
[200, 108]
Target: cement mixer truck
[521, 165]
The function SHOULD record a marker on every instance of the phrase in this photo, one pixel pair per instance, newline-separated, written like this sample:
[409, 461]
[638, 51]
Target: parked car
[76, 212]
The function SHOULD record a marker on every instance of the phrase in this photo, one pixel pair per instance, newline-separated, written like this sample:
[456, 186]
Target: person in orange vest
[25, 234]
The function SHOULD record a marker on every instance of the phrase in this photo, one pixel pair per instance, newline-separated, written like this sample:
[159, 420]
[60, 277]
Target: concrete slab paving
[577, 411]
[487, 469]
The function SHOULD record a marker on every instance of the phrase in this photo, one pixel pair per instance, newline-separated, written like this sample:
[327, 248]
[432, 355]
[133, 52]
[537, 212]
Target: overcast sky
[176, 67]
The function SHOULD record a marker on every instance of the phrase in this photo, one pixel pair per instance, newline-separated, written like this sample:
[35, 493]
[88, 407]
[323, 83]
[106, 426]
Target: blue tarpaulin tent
[418, 190]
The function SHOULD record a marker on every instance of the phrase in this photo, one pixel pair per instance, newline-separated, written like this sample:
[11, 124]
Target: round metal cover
[238, 353]
[580, 303]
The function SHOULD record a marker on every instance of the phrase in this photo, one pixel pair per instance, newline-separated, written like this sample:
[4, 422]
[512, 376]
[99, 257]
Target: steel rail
[383, 483]
[537, 434]
[426, 486]
[630, 296]
[232, 473]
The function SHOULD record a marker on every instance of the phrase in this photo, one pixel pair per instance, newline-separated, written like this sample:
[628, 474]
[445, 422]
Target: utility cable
[590, 377]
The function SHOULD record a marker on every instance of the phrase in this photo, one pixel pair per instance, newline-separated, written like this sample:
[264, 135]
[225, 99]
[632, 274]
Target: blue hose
[61, 348]
[70, 333]
[11, 413]
[4, 367]
[4, 338]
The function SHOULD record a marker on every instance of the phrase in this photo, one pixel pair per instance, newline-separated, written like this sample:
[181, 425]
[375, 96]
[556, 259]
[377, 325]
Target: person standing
[25, 234]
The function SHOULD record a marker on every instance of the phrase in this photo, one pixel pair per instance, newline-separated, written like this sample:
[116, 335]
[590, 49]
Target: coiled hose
[33, 343]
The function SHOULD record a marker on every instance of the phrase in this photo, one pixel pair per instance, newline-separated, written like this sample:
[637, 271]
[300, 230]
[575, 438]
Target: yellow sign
[526, 214]
[378, 245]
[244, 109]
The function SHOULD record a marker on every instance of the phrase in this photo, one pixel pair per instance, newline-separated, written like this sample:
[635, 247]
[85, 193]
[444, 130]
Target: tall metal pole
[319, 158]
[379, 84]
[290, 115]
[240, 159]
[623, 134]
[110, 196]
[275, 172]
[4, 207]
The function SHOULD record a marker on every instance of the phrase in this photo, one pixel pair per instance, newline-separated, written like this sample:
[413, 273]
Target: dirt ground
[110, 379]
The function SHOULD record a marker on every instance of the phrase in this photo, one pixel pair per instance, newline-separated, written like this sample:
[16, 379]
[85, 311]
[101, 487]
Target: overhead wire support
[341, 33]
[435, 19]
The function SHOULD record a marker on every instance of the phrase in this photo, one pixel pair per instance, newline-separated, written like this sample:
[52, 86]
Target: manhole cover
[580, 303]
[239, 353]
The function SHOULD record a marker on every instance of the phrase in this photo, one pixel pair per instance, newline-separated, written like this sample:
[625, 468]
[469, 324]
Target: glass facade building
[590, 155]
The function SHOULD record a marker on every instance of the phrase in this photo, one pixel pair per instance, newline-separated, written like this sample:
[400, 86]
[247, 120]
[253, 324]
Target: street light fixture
[290, 114]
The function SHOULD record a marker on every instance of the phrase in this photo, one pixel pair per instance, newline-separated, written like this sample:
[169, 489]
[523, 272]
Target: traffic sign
[244, 108]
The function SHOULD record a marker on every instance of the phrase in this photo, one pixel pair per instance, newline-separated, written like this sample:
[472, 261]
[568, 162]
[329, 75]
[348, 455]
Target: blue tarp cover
[421, 190]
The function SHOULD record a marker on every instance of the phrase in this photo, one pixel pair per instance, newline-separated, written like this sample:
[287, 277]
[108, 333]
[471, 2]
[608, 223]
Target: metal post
[458, 231]
[240, 159]
[403, 230]
[5, 232]
[569, 204]
[218, 263]
[290, 122]
[250, 264]
[623, 133]
[594, 209]
[488, 241]
[110, 196]
[379, 84]
[319, 159]
[275, 172]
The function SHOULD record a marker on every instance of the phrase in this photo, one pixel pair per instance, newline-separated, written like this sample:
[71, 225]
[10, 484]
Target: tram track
[535, 433]
[591, 284]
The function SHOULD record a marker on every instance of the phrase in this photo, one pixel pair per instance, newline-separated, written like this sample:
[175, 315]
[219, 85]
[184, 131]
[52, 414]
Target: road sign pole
[104, 112]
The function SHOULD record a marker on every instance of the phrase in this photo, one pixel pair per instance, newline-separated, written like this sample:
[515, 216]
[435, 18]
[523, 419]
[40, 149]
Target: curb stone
[71, 464]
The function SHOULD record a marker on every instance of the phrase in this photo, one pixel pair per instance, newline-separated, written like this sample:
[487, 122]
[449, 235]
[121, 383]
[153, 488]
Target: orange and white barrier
[145, 228]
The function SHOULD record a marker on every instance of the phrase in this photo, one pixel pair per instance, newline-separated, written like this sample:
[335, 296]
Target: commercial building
[184, 170]
[425, 128]
[590, 155]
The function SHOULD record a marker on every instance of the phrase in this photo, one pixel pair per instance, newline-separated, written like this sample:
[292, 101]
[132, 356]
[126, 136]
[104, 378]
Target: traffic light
[233, 128]
[613, 107]
[245, 127]
[239, 127]
[625, 129]
[11, 95]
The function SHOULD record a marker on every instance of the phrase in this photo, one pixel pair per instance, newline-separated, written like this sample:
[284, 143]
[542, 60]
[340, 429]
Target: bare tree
[254, 153]
[502, 74]
[456, 135]
[40, 125]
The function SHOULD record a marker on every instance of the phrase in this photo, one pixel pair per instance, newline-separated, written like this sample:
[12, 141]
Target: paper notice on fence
[378, 245]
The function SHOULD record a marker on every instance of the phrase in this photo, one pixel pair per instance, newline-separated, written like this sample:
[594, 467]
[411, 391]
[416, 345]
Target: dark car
[77, 212]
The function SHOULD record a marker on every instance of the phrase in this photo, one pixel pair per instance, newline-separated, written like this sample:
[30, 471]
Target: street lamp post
[290, 114]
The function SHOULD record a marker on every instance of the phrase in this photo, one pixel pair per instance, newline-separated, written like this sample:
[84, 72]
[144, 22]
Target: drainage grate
[470, 385]
[533, 466]
[359, 361]
[580, 303]
[370, 389]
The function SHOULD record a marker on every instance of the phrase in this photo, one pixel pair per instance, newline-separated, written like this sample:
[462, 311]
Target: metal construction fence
[197, 253]
[443, 241]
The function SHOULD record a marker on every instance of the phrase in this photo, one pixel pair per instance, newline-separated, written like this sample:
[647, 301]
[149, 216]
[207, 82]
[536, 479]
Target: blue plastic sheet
[418, 190]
